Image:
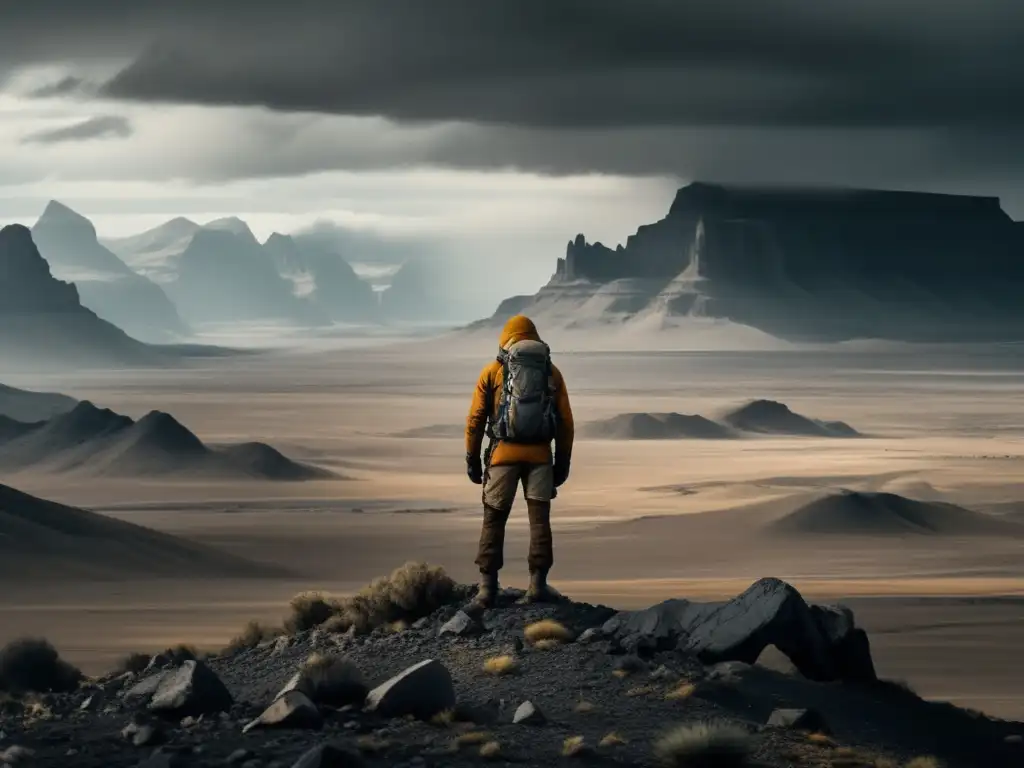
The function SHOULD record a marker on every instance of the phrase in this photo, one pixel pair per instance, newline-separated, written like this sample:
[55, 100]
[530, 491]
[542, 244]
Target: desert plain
[942, 597]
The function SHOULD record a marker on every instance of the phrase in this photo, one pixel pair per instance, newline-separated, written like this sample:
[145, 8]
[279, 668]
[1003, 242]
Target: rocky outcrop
[823, 643]
[42, 320]
[810, 265]
[108, 286]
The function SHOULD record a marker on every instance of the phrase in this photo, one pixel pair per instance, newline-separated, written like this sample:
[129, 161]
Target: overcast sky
[501, 126]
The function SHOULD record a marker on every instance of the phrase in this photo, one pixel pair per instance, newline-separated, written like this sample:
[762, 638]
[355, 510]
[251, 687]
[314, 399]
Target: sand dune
[100, 442]
[436, 431]
[656, 426]
[43, 540]
[885, 514]
[770, 417]
[22, 405]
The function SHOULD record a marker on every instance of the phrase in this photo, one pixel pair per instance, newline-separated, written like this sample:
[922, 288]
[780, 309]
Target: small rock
[91, 702]
[422, 690]
[71, 752]
[798, 720]
[728, 671]
[238, 756]
[15, 755]
[145, 688]
[528, 714]
[291, 710]
[142, 734]
[590, 635]
[630, 663]
[329, 756]
[192, 689]
[663, 673]
[421, 623]
[461, 625]
[1014, 739]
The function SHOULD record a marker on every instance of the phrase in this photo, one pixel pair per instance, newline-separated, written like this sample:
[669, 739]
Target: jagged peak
[57, 214]
[231, 224]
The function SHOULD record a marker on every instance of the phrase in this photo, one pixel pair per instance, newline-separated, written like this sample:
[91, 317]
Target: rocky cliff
[808, 264]
[106, 285]
[42, 320]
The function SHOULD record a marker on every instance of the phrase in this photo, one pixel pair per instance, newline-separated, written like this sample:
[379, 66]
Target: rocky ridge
[525, 684]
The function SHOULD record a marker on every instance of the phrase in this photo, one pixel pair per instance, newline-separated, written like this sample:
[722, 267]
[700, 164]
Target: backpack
[526, 405]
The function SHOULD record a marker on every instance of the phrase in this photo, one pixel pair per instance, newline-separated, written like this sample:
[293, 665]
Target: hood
[518, 328]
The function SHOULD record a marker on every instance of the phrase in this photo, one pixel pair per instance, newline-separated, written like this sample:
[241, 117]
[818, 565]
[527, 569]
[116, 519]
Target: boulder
[143, 690]
[422, 690]
[293, 709]
[528, 714]
[822, 642]
[330, 680]
[192, 689]
[798, 720]
[329, 756]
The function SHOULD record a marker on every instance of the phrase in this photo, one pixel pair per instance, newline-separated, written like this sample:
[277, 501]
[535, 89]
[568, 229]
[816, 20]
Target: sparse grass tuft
[547, 629]
[33, 665]
[612, 740]
[585, 707]
[372, 745]
[333, 680]
[620, 673]
[444, 718]
[409, 593]
[925, 761]
[680, 692]
[251, 636]
[490, 750]
[180, 653]
[473, 737]
[134, 663]
[501, 665]
[574, 746]
[548, 644]
[820, 738]
[705, 745]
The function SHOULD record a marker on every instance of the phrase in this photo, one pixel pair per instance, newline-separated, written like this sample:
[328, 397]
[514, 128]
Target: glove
[475, 469]
[561, 470]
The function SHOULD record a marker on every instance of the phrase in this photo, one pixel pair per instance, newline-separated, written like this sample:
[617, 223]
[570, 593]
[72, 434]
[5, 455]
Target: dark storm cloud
[565, 63]
[66, 86]
[102, 127]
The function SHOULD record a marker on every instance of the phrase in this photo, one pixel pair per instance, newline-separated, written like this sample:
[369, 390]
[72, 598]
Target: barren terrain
[942, 602]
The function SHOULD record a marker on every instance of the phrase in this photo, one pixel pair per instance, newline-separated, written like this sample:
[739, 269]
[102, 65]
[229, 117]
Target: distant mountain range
[98, 442]
[818, 265]
[43, 321]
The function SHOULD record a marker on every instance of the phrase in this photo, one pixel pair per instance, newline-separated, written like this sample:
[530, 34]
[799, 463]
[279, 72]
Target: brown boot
[539, 591]
[486, 595]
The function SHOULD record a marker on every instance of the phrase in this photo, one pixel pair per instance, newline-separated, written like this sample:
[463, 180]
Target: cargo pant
[500, 485]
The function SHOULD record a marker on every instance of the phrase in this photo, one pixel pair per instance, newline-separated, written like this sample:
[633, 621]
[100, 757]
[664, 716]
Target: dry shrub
[490, 750]
[620, 673]
[925, 761]
[251, 636]
[411, 592]
[612, 740]
[574, 746]
[309, 610]
[501, 665]
[683, 691]
[705, 745]
[547, 630]
[332, 680]
[180, 653]
[31, 664]
[134, 663]
[820, 738]
[585, 707]
[547, 644]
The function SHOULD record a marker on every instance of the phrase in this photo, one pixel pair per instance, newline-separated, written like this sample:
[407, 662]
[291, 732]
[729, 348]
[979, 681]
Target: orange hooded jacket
[485, 404]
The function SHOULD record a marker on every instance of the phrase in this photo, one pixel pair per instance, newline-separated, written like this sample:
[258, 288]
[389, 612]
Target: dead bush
[332, 680]
[251, 636]
[705, 745]
[31, 664]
